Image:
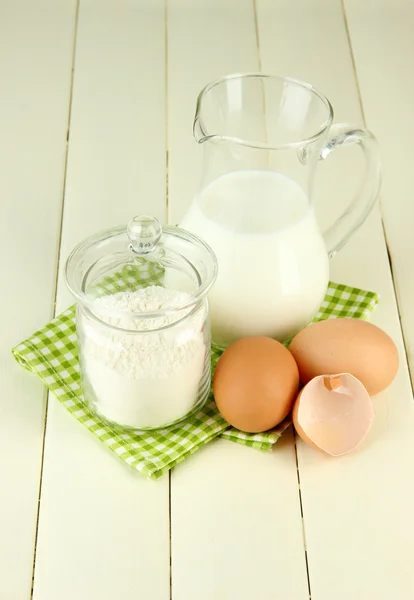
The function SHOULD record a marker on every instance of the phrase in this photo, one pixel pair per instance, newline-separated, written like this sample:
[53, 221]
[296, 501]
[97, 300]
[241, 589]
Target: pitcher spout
[200, 136]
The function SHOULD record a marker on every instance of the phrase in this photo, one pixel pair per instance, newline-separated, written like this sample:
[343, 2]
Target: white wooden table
[96, 107]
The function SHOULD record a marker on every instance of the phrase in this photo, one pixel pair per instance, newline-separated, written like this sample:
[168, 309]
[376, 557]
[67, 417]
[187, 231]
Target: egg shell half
[255, 384]
[346, 346]
[333, 413]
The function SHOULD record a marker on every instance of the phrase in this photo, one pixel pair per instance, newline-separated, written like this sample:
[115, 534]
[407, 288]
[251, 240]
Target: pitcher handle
[358, 210]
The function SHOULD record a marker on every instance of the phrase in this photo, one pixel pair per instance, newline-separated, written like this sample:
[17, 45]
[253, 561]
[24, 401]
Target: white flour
[146, 379]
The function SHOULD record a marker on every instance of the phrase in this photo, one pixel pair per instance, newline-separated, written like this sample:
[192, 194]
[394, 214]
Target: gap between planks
[55, 290]
[259, 57]
[167, 217]
[301, 513]
[167, 203]
[389, 254]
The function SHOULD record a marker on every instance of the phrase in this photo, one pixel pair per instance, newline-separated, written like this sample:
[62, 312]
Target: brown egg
[255, 384]
[333, 413]
[346, 346]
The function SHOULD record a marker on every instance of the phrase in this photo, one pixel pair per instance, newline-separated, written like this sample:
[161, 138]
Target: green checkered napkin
[52, 354]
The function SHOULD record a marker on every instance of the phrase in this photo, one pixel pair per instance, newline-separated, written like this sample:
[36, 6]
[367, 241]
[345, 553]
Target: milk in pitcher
[273, 263]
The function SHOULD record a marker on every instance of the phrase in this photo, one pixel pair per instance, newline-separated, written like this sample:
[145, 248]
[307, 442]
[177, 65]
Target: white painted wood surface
[234, 514]
[36, 43]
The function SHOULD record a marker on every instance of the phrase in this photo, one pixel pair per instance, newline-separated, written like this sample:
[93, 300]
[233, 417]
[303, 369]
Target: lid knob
[144, 233]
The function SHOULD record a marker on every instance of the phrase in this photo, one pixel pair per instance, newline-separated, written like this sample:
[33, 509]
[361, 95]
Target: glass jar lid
[143, 253]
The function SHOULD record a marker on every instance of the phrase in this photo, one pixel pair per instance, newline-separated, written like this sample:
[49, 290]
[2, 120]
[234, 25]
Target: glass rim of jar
[191, 302]
[254, 143]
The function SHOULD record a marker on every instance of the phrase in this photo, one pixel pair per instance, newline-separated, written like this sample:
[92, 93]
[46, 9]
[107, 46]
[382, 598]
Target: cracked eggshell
[346, 346]
[333, 413]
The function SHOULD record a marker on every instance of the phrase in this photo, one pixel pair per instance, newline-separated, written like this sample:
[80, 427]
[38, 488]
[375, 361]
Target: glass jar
[142, 321]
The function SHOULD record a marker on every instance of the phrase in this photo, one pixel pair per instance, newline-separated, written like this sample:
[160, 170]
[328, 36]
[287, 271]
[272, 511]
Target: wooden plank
[236, 524]
[36, 42]
[206, 39]
[235, 513]
[386, 79]
[103, 529]
[357, 509]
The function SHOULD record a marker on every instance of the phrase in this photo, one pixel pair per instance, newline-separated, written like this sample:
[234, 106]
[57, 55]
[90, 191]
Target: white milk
[273, 264]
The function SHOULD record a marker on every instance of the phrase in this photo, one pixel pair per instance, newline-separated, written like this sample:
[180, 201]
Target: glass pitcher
[263, 137]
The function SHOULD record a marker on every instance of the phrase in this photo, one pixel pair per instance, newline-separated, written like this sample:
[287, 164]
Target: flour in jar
[146, 376]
